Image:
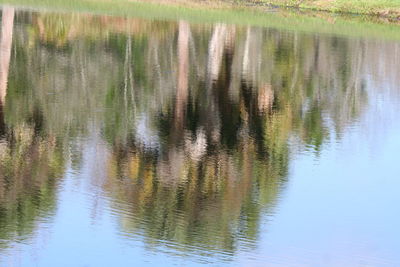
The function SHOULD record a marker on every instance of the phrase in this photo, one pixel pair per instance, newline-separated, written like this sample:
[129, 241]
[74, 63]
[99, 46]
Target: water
[128, 141]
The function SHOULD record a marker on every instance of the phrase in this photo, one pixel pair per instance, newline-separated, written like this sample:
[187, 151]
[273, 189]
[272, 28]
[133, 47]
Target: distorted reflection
[30, 161]
[200, 121]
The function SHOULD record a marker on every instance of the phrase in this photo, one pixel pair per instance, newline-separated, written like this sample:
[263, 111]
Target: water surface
[126, 141]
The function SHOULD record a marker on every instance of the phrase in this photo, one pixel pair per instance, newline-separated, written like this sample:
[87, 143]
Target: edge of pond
[259, 15]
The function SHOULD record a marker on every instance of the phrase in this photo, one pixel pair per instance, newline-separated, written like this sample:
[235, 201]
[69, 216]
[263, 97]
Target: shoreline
[335, 7]
[252, 14]
[388, 10]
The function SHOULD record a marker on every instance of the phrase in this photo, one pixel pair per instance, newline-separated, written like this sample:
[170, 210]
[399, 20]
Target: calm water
[129, 142]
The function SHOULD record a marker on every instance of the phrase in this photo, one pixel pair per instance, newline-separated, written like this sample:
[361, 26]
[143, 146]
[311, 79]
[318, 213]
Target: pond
[135, 141]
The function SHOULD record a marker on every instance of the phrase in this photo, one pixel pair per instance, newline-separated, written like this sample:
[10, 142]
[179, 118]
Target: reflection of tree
[222, 150]
[183, 68]
[29, 168]
[197, 117]
[29, 161]
[7, 22]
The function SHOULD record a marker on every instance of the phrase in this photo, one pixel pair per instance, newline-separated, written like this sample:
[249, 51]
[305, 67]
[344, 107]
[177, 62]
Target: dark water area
[131, 142]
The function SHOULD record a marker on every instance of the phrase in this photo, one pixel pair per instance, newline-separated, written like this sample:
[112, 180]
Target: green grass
[388, 8]
[286, 20]
[385, 8]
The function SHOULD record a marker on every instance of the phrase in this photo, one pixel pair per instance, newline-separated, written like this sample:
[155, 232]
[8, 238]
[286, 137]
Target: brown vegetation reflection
[200, 166]
[197, 119]
[7, 22]
[30, 162]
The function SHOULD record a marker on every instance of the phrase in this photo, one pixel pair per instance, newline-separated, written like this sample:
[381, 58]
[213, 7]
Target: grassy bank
[304, 21]
[384, 8]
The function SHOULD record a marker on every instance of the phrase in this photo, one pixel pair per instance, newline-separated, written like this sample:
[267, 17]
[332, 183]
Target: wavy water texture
[184, 133]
